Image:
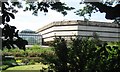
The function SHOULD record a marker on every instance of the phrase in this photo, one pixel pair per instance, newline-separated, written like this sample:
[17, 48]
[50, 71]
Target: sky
[25, 20]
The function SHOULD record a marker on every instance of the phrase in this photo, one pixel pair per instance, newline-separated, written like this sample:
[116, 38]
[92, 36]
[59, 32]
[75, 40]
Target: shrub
[6, 54]
[4, 67]
[25, 61]
[85, 55]
[31, 62]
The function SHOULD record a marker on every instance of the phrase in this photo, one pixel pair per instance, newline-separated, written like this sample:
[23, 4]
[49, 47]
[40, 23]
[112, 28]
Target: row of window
[31, 36]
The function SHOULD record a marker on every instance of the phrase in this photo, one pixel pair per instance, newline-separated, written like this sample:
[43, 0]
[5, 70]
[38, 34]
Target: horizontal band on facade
[74, 25]
[78, 30]
[79, 36]
[28, 35]
[79, 23]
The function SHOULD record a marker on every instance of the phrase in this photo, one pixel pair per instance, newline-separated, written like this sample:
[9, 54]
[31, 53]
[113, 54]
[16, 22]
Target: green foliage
[27, 68]
[82, 55]
[7, 62]
[48, 57]
[85, 55]
[105, 6]
[44, 6]
[33, 49]
[4, 67]
[86, 11]
[32, 55]
[9, 8]
[60, 7]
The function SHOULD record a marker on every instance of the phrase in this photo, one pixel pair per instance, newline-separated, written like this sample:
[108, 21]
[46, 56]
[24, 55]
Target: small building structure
[106, 31]
[32, 37]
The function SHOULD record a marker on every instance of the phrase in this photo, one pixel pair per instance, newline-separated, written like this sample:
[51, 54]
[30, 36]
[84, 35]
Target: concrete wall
[58, 31]
[106, 31]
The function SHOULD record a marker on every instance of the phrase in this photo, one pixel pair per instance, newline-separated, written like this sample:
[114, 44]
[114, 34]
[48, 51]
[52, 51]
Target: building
[105, 31]
[31, 36]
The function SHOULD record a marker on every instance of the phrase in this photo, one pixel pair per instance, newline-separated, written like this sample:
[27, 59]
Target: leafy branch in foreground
[45, 6]
[106, 6]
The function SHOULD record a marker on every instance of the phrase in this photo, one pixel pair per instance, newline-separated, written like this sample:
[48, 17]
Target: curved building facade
[105, 31]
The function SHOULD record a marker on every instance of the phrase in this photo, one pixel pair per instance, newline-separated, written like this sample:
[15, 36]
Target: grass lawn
[27, 67]
[34, 48]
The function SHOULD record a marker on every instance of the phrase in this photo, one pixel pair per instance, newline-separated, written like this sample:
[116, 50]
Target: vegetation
[86, 55]
[4, 67]
[9, 8]
[28, 67]
[103, 6]
[81, 54]
[86, 11]
[31, 56]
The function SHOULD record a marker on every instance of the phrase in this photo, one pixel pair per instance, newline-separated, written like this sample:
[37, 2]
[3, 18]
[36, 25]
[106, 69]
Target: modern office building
[105, 31]
[31, 36]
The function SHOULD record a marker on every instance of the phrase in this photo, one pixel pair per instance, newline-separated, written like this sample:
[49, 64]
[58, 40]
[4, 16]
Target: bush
[32, 55]
[31, 62]
[25, 61]
[4, 67]
[85, 55]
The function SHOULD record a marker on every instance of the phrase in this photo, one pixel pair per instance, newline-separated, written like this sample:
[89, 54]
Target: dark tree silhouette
[11, 38]
[6, 14]
[111, 12]
[8, 32]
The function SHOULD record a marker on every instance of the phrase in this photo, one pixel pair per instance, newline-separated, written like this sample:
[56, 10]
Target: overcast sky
[25, 20]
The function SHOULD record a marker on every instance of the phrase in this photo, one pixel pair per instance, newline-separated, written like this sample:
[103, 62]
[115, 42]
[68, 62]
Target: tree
[8, 10]
[32, 6]
[84, 55]
[8, 31]
[105, 6]
[91, 7]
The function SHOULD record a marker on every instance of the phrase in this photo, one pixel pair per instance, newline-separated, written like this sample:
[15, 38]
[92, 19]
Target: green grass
[34, 48]
[40, 49]
[31, 50]
[28, 67]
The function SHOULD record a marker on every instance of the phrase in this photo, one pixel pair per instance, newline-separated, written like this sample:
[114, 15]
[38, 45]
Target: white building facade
[67, 29]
